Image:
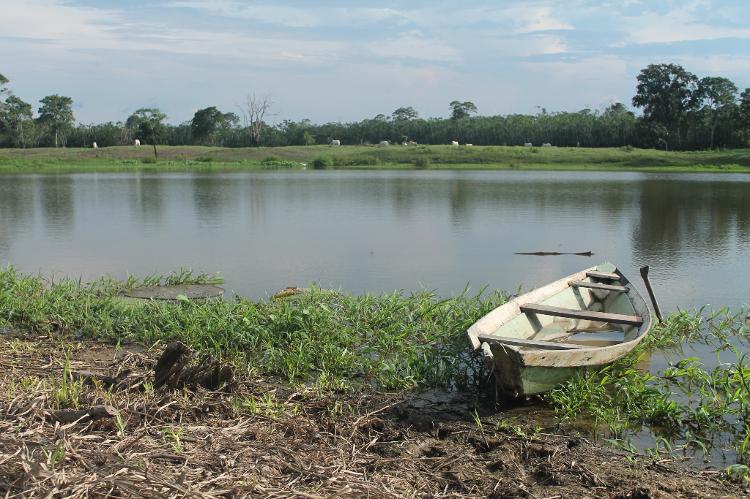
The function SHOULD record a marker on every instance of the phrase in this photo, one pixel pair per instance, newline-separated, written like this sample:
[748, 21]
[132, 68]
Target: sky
[347, 60]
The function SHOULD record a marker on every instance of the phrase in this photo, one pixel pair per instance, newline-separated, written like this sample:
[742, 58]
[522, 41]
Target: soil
[263, 437]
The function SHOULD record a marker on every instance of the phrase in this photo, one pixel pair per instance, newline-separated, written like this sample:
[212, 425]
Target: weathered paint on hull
[515, 379]
[531, 368]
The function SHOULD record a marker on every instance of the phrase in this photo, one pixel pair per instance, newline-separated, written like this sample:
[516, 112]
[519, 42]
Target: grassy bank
[391, 341]
[182, 158]
[328, 399]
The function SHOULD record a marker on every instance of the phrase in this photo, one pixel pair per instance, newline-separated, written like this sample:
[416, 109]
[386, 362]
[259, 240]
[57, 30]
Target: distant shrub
[270, 165]
[204, 159]
[355, 161]
[422, 163]
[270, 159]
[627, 148]
[322, 162]
[149, 160]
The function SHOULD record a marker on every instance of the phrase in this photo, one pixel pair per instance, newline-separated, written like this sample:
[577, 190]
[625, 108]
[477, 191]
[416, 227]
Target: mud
[270, 438]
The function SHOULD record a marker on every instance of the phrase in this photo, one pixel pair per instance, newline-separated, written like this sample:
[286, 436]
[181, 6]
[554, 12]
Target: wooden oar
[644, 275]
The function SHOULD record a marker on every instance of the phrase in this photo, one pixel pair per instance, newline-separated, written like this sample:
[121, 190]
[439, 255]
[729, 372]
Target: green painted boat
[542, 338]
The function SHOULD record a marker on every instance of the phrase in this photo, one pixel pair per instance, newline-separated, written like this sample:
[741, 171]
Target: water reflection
[379, 231]
[58, 204]
[146, 197]
[690, 216]
[17, 210]
[216, 197]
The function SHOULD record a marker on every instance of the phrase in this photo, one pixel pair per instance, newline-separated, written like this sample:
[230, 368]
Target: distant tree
[719, 98]
[404, 114]
[149, 124]
[254, 111]
[743, 116]
[3, 89]
[617, 125]
[666, 92]
[308, 139]
[461, 110]
[3, 82]
[207, 122]
[16, 117]
[56, 114]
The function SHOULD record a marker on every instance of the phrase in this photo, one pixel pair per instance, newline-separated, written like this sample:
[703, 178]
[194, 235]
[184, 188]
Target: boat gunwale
[507, 312]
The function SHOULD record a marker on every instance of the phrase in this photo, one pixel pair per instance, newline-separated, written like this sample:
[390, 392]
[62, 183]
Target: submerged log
[554, 253]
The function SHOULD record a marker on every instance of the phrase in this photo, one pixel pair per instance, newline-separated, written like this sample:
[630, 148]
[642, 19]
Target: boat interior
[594, 308]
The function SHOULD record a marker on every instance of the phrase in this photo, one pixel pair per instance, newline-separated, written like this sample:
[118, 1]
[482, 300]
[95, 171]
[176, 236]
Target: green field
[178, 158]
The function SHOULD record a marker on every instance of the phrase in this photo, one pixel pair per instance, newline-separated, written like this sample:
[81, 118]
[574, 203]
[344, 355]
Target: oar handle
[644, 275]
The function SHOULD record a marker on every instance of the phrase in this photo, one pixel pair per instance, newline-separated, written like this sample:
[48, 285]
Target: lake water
[381, 231]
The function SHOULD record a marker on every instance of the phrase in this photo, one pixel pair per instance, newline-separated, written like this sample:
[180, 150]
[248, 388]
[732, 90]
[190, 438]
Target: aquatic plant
[686, 403]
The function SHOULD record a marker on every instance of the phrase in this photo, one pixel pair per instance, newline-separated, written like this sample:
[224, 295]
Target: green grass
[400, 341]
[687, 403]
[201, 158]
[392, 341]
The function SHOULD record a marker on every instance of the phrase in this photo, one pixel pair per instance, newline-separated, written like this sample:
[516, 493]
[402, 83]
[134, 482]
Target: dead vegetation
[87, 419]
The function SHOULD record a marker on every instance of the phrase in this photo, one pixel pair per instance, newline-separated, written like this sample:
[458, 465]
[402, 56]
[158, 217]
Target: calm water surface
[380, 231]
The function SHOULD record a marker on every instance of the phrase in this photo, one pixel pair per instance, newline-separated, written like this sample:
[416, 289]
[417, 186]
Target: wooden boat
[540, 339]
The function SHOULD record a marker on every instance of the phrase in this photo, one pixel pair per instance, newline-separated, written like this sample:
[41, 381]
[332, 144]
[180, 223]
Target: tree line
[678, 111]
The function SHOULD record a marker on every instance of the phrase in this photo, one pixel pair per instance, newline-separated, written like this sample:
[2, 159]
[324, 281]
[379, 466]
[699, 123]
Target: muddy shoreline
[263, 437]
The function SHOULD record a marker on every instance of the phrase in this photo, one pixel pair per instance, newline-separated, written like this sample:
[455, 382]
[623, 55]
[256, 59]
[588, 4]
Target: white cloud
[65, 28]
[54, 21]
[526, 46]
[294, 17]
[730, 66]
[591, 68]
[414, 46]
[272, 14]
[680, 24]
[538, 18]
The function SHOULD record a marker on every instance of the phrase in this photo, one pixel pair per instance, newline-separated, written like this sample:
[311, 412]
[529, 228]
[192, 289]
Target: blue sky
[348, 60]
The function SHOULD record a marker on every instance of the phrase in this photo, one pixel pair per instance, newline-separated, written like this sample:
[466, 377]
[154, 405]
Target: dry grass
[265, 438]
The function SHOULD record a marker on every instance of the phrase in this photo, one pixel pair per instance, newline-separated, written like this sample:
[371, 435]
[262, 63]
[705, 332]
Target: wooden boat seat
[570, 313]
[598, 285]
[523, 342]
[603, 275]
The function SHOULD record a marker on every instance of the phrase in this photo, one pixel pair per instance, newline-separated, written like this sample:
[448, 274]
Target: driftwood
[555, 253]
[84, 415]
[174, 369]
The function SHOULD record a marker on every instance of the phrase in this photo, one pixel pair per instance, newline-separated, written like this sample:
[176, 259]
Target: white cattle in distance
[94, 145]
[411, 143]
[137, 143]
[454, 143]
[335, 142]
[384, 143]
[546, 144]
[468, 145]
[528, 144]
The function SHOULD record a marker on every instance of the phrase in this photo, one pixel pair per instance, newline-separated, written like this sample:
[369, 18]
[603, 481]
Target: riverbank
[331, 395]
[269, 438]
[199, 158]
